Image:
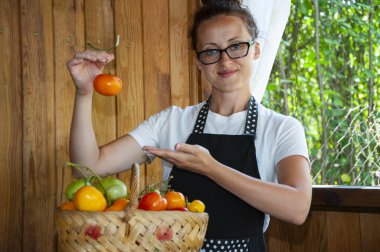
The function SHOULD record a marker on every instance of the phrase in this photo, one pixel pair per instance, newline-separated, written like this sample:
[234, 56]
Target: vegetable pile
[160, 197]
[93, 193]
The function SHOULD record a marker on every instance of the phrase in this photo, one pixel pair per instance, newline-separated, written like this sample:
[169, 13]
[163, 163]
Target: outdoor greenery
[327, 76]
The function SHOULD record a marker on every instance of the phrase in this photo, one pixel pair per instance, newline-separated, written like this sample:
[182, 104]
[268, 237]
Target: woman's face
[227, 75]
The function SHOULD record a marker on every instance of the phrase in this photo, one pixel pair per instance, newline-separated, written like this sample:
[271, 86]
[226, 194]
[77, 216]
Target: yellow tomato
[88, 198]
[196, 206]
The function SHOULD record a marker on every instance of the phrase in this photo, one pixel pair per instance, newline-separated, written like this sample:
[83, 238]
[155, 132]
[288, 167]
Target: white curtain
[271, 17]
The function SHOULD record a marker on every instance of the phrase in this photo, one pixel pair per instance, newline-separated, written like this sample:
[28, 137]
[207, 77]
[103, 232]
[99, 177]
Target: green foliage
[338, 105]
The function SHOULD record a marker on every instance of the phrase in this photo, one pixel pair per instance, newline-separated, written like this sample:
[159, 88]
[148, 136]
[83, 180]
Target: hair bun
[218, 2]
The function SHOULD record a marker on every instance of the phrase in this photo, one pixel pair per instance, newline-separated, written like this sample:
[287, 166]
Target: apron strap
[250, 122]
[201, 119]
[252, 116]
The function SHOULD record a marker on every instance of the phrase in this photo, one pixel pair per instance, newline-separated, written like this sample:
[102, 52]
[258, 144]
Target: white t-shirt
[278, 136]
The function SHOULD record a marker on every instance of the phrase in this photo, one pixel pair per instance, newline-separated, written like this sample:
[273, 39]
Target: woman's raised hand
[85, 66]
[190, 157]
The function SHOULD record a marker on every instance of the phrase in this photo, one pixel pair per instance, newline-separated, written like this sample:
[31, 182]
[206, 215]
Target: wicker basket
[132, 229]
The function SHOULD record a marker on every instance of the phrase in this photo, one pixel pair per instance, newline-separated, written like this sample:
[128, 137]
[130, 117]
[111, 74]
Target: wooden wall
[326, 231]
[342, 218]
[37, 38]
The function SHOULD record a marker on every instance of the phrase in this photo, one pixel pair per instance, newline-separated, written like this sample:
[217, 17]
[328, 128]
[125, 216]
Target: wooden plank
[204, 88]
[11, 128]
[326, 231]
[308, 236]
[39, 125]
[99, 25]
[343, 232]
[370, 232]
[130, 68]
[68, 38]
[156, 67]
[346, 198]
[276, 239]
[179, 53]
[194, 73]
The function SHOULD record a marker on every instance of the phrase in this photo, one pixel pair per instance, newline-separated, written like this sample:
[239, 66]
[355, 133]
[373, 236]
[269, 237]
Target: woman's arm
[289, 200]
[114, 157]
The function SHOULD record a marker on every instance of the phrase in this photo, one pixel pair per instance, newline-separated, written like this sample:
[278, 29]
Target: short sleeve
[291, 140]
[146, 134]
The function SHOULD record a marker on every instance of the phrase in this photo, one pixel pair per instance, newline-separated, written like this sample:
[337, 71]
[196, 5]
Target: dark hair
[212, 8]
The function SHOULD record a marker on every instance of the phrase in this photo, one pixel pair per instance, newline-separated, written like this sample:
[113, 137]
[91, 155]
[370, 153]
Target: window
[327, 76]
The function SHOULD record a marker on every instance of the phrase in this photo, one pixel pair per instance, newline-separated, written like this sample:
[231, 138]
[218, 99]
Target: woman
[240, 158]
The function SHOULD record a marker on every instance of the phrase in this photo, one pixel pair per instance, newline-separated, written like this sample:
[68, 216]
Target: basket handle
[135, 185]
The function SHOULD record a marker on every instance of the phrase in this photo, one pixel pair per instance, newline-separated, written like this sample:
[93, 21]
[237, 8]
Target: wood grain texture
[68, 37]
[179, 53]
[39, 177]
[11, 186]
[194, 74]
[130, 68]
[157, 89]
[343, 232]
[326, 231]
[346, 198]
[370, 232]
[99, 28]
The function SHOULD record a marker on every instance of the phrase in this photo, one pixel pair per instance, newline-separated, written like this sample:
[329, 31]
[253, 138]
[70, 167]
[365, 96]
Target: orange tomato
[67, 205]
[196, 206]
[118, 205]
[88, 198]
[176, 200]
[107, 84]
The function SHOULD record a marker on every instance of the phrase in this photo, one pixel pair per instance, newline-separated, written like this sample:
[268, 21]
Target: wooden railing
[341, 219]
[346, 199]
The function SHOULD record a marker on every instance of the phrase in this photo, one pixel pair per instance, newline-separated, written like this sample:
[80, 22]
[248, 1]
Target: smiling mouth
[228, 73]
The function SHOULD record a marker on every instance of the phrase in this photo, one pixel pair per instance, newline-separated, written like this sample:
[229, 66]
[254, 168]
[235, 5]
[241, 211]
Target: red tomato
[107, 84]
[175, 200]
[163, 204]
[153, 202]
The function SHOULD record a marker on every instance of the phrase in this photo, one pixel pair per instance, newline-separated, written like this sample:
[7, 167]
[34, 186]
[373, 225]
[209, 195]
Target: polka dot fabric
[201, 119]
[250, 124]
[226, 245]
[251, 121]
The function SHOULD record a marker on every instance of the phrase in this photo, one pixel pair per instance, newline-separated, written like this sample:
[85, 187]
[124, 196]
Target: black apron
[233, 225]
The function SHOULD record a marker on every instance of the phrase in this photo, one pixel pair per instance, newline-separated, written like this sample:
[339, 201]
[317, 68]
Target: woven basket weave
[132, 229]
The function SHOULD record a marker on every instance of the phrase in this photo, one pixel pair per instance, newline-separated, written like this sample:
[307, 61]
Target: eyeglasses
[235, 51]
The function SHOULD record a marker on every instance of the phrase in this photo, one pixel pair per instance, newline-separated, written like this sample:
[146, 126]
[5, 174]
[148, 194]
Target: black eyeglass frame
[249, 44]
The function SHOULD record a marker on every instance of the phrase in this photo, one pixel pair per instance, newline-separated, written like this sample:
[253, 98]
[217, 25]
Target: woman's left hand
[190, 157]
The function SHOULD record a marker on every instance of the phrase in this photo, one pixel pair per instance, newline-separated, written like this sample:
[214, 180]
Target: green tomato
[73, 187]
[113, 188]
